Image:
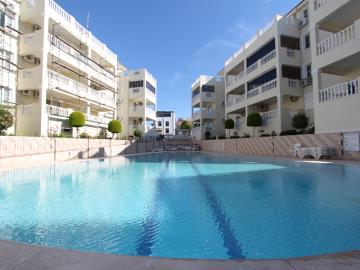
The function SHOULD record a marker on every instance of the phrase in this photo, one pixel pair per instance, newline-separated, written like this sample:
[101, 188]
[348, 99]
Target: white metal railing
[268, 86]
[195, 83]
[293, 83]
[231, 79]
[290, 53]
[97, 119]
[66, 84]
[253, 93]
[336, 40]
[208, 113]
[59, 10]
[58, 111]
[268, 57]
[196, 99]
[252, 68]
[269, 114]
[339, 91]
[197, 115]
[319, 3]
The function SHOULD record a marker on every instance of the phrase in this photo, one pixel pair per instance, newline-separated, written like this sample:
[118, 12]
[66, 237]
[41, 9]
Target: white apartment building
[208, 107]
[306, 61]
[137, 102]
[165, 123]
[9, 35]
[65, 68]
[335, 41]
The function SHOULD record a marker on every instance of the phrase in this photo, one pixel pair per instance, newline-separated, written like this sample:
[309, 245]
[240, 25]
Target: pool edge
[19, 256]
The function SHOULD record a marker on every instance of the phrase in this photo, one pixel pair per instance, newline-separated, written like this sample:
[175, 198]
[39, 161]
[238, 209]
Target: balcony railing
[319, 3]
[269, 114]
[66, 84]
[268, 86]
[339, 91]
[64, 112]
[336, 40]
[271, 55]
[293, 83]
[54, 41]
[58, 111]
[253, 93]
[235, 101]
[233, 79]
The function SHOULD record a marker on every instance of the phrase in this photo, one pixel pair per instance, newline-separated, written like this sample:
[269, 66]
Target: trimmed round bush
[137, 133]
[254, 120]
[229, 124]
[300, 121]
[115, 127]
[207, 135]
[77, 119]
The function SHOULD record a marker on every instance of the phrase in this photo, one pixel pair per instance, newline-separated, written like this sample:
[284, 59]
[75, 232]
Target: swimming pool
[185, 205]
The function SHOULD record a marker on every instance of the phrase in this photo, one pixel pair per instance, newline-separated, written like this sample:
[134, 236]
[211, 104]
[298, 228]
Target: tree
[115, 127]
[6, 120]
[229, 124]
[77, 120]
[185, 125]
[137, 134]
[300, 121]
[254, 120]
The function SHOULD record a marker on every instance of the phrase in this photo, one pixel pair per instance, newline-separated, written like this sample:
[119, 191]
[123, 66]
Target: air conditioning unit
[30, 58]
[26, 92]
[36, 27]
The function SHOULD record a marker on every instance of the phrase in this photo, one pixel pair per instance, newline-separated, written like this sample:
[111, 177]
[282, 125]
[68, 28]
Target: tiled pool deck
[24, 257]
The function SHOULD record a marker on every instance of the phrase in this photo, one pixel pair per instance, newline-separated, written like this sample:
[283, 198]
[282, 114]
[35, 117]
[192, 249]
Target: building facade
[137, 91]
[304, 62]
[65, 68]
[208, 107]
[165, 123]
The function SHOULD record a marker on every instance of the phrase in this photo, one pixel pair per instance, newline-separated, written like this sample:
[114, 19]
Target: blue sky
[177, 40]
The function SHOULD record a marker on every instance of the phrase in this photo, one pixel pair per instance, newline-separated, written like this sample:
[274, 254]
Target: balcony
[150, 113]
[235, 101]
[269, 115]
[196, 99]
[208, 114]
[340, 91]
[336, 40]
[262, 89]
[234, 79]
[65, 113]
[196, 115]
[58, 81]
[267, 58]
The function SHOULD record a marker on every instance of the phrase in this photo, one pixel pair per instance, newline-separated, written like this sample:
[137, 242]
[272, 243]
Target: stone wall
[278, 146]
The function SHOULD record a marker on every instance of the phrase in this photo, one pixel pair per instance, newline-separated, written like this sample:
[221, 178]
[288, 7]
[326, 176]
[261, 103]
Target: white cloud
[175, 78]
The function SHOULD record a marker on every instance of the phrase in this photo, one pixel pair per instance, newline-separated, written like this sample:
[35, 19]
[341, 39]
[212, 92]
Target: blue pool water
[185, 206]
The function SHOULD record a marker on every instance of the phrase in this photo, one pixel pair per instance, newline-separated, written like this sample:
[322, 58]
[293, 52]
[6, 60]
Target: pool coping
[27, 257]
[310, 161]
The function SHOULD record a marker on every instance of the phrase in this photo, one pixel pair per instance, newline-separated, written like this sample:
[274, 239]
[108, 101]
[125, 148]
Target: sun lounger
[315, 152]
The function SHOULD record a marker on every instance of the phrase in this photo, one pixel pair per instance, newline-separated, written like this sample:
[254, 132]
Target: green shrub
[207, 135]
[300, 121]
[185, 125]
[229, 124]
[6, 120]
[84, 135]
[137, 134]
[115, 127]
[77, 120]
[254, 120]
[265, 135]
[289, 133]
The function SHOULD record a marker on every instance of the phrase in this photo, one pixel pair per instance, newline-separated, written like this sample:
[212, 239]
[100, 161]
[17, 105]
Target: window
[208, 88]
[306, 14]
[6, 20]
[159, 123]
[307, 41]
[291, 72]
[292, 43]
[136, 84]
[307, 73]
[267, 77]
[167, 131]
[150, 87]
[5, 94]
[269, 47]
[167, 123]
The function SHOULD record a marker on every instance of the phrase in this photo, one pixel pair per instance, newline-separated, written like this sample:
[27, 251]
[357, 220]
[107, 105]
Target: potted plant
[254, 120]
